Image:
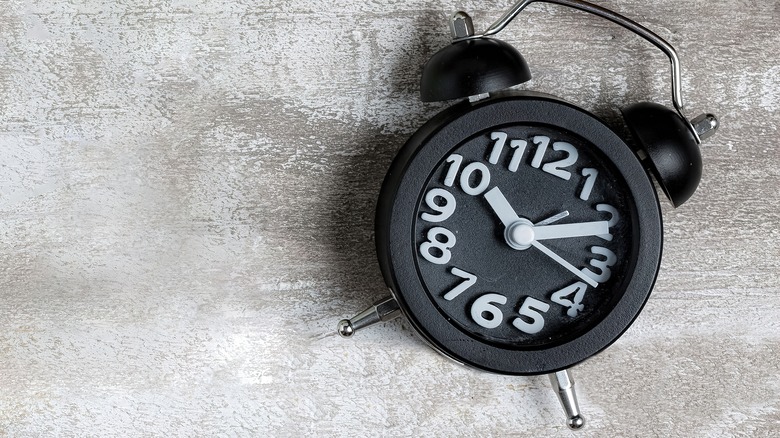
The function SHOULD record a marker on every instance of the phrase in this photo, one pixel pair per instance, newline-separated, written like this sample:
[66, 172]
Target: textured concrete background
[187, 193]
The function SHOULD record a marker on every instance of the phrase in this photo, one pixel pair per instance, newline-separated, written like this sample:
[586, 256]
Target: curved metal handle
[614, 17]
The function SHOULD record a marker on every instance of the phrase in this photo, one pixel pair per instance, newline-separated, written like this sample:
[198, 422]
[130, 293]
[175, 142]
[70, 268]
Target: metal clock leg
[382, 310]
[563, 384]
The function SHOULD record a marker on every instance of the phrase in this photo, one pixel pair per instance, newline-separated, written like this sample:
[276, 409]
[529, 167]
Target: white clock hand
[526, 234]
[562, 231]
[564, 263]
[501, 207]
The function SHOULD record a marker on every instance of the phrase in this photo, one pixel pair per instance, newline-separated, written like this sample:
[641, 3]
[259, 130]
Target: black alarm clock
[518, 233]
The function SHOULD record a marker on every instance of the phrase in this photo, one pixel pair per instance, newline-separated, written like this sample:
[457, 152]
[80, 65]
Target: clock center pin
[520, 234]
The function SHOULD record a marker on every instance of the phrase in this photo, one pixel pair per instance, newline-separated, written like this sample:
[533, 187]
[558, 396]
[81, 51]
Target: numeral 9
[444, 210]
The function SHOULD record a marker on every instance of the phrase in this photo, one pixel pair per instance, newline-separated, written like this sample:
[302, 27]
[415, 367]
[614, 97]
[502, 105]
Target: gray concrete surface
[187, 193]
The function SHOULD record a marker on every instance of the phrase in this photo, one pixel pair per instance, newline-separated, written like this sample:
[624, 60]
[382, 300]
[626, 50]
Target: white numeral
[455, 160]
[445, 211]
[541, 142]
[442, 246]
[498, 147]
[575, 304]
[470, 279]
[530, 309]
[602, 265]
[484, 178]
[483, 306]
[590, 179]
[614, 218]
[517, 156]
[556, 167]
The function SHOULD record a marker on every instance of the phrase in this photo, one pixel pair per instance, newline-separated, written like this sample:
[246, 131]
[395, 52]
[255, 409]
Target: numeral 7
[470, 279]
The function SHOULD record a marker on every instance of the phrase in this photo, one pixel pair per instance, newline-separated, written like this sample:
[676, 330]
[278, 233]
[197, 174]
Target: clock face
[524, 235]
[519, 235]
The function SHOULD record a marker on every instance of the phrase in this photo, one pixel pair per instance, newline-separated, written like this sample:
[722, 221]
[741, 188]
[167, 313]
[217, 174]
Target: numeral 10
[481, 172]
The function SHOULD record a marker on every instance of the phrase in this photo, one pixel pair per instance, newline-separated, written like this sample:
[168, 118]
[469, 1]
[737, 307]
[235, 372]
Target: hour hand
[562, 231]
[501, 207]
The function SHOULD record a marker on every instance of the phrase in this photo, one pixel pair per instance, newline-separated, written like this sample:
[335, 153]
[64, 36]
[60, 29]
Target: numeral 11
[498, 147]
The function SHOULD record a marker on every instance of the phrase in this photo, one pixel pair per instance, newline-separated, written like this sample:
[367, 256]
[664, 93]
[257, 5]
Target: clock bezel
[396, 214]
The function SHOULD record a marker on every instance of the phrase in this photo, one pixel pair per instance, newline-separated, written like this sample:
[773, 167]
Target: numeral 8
[443, 246]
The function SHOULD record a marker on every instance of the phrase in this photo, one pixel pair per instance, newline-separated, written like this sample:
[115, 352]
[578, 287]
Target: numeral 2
[556, 167]
[614, 218]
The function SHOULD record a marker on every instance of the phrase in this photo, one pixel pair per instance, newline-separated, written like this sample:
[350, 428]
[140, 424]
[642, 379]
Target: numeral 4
[575, 303]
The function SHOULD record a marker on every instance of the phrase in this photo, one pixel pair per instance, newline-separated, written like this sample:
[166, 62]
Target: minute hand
[562, 231]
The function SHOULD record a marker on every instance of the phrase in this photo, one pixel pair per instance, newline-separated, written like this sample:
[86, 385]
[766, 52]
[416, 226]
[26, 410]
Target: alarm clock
[518, 233]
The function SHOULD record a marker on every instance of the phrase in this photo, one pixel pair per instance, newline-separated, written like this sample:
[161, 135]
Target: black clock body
[519, 234]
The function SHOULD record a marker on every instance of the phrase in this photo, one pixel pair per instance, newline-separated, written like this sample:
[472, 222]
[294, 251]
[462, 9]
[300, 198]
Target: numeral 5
[485, 313]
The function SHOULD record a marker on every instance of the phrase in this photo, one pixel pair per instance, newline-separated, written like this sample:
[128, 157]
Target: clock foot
[563, 384]
[382, 310]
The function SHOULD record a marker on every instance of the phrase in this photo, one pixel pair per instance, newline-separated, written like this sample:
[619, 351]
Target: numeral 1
[517, 156]
[498, 147]
[541, 142]
[590, 179]
[455, 161]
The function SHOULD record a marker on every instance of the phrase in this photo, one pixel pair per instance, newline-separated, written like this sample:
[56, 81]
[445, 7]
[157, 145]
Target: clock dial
[518, 234]
[524, 235]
